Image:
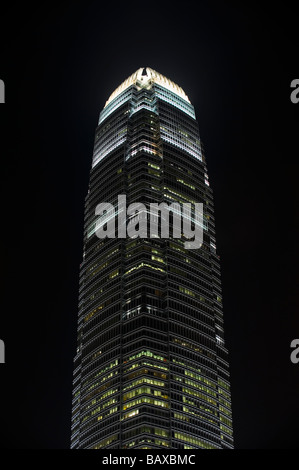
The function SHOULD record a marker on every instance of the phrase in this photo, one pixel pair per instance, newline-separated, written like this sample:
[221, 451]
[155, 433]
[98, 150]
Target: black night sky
[60, 63]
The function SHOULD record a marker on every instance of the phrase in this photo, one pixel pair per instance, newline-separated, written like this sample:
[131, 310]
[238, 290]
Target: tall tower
[151, 368]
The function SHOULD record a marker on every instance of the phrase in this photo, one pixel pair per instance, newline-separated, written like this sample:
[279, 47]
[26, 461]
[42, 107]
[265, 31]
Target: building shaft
[151, 368]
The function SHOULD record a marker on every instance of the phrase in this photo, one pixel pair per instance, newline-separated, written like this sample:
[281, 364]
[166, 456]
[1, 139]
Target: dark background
[60, 63]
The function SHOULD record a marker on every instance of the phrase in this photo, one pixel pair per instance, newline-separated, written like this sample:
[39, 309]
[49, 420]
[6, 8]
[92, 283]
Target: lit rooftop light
[144, 77]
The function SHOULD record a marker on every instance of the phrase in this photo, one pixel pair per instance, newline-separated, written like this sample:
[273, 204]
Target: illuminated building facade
[151, 368]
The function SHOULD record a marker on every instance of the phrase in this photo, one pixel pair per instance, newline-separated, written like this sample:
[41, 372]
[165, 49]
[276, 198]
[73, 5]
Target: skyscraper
[151, 368]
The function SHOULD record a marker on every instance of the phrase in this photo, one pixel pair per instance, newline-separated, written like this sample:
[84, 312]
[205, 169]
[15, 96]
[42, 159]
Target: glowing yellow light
[145, 81]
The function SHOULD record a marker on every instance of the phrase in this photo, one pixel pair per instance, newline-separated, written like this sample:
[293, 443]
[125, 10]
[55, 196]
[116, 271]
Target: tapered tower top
[144, 78]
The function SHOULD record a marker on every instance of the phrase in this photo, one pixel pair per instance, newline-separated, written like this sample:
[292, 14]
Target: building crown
[144, 78]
